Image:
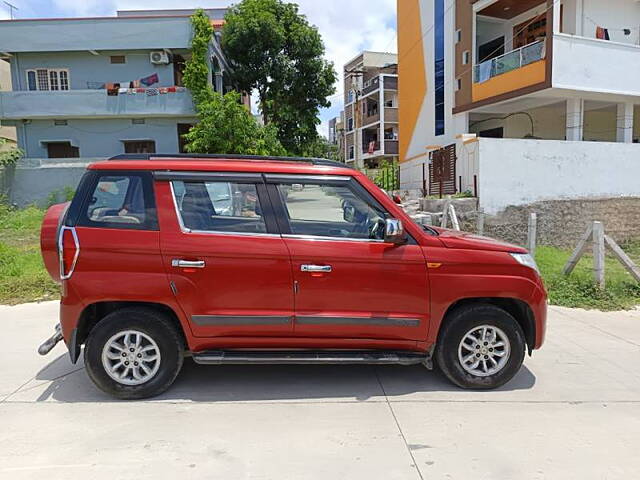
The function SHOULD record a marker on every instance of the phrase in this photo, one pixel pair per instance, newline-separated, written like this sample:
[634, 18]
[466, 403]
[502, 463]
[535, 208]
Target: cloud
[347, 26]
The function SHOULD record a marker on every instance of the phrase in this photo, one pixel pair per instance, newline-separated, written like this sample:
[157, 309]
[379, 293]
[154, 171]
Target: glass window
[31, 80]
[43, 79]
[439, 67]
[47, 79]
[117, 200]
[331, 211]
[53, 80]
[139, 146]
[64, 80]
[219, 207]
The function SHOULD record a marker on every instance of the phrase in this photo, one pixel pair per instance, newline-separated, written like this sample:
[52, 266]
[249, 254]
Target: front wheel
[133, 353]
[480, 347]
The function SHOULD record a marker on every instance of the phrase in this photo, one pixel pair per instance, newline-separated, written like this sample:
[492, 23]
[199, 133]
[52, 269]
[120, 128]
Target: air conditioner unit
[159, 57]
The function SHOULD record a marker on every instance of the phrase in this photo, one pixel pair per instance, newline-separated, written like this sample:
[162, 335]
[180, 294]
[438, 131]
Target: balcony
[371, 147]
[391, 83]
[510, 61]
[391, 115]
[593, 65]
[371, 85]
[21, 105]
[391, 147]
[520, 68]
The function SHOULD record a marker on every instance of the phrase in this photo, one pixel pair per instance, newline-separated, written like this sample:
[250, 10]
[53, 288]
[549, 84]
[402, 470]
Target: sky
[347, 26]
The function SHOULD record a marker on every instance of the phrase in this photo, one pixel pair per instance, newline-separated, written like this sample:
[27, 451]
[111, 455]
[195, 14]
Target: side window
[329, 210]
[219, 206]
[120, 201]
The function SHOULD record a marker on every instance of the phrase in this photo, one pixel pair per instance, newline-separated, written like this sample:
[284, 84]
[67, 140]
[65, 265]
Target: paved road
[572, 412]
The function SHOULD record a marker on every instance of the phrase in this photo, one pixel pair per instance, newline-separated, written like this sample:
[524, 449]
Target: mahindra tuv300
[234, 260]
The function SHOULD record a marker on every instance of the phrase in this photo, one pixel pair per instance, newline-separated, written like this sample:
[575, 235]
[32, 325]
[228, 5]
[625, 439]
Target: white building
[542, 72]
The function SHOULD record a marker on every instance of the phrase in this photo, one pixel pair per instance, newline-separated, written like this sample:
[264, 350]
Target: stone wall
[560, 222]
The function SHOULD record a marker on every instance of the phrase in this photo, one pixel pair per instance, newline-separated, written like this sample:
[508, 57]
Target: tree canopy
[274, 50]
[224, 125]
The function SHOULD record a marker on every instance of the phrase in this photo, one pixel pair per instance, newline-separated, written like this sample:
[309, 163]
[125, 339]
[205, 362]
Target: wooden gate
[442, 171]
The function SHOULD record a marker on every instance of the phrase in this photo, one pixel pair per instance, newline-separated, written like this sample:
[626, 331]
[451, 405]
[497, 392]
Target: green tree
[275, 51]
[322, 148]
[224, 125]
[9, 157]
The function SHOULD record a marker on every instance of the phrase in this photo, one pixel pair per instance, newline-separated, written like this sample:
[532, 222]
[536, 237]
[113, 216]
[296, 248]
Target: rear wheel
[480, 347]
[134, 353]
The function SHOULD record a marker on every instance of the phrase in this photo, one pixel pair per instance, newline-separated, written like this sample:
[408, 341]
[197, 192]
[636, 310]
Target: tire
[127, 326]
[472, 320]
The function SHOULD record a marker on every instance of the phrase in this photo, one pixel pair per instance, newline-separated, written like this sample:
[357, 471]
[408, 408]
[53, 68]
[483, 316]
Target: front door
[349, 283]
[228, 266]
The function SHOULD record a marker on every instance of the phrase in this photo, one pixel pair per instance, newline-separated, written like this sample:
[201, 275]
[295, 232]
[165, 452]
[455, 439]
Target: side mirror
[396, 199]
[394, 232]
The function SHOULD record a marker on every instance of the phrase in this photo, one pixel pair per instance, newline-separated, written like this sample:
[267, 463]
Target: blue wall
[84, 67]
[72, 34]
[99, 137]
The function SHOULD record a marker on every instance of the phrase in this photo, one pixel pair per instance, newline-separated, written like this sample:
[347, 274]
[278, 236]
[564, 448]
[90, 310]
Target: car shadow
[275, 383]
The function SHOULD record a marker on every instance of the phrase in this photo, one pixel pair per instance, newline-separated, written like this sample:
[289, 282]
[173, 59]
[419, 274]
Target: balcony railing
[510, 61]
[391, 147]
[17, 105]
[370, 147]
[371, 85]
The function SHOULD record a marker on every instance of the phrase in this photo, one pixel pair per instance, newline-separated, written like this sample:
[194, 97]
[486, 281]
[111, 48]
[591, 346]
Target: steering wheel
[376, 229]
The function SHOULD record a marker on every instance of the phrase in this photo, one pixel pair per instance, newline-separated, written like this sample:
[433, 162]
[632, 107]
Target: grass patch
[23, 277]
[578, 290]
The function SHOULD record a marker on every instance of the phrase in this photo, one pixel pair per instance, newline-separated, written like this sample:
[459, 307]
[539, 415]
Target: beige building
[7, 133]
[337, 134]
[371, 109]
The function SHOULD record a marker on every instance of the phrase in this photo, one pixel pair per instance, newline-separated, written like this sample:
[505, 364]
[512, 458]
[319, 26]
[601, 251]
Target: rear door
[227, 263]
[349, 282]
[114, 216]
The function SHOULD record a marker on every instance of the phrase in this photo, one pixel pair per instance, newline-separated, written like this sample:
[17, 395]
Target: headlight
[526, 260]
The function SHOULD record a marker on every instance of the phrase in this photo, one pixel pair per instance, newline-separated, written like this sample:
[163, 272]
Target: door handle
[177, 263]
[316, 268]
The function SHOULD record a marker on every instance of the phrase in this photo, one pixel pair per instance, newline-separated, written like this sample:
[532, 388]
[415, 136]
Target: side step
[307, 357]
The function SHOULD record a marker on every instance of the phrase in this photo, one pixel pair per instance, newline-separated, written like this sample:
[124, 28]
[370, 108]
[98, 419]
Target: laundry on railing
[484, 71]
[602, 33]
[150, 80]
[115, 88]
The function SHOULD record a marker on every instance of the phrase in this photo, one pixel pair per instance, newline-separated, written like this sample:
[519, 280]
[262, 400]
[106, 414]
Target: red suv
[234, 260]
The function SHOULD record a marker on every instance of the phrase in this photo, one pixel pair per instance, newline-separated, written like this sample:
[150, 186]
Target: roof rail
[220, 156]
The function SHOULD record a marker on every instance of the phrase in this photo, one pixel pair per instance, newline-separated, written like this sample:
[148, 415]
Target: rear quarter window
[120, 200]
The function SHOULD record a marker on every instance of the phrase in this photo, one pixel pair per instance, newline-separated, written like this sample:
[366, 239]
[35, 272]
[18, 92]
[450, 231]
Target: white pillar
[556, 18]
[575, 119]
[625, 123]
[579, 18]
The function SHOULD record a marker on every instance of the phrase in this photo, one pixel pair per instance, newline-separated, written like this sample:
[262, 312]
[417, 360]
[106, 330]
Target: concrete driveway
[572, 412]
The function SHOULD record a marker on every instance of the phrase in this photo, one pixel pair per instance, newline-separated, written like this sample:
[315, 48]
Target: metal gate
[442, 171]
